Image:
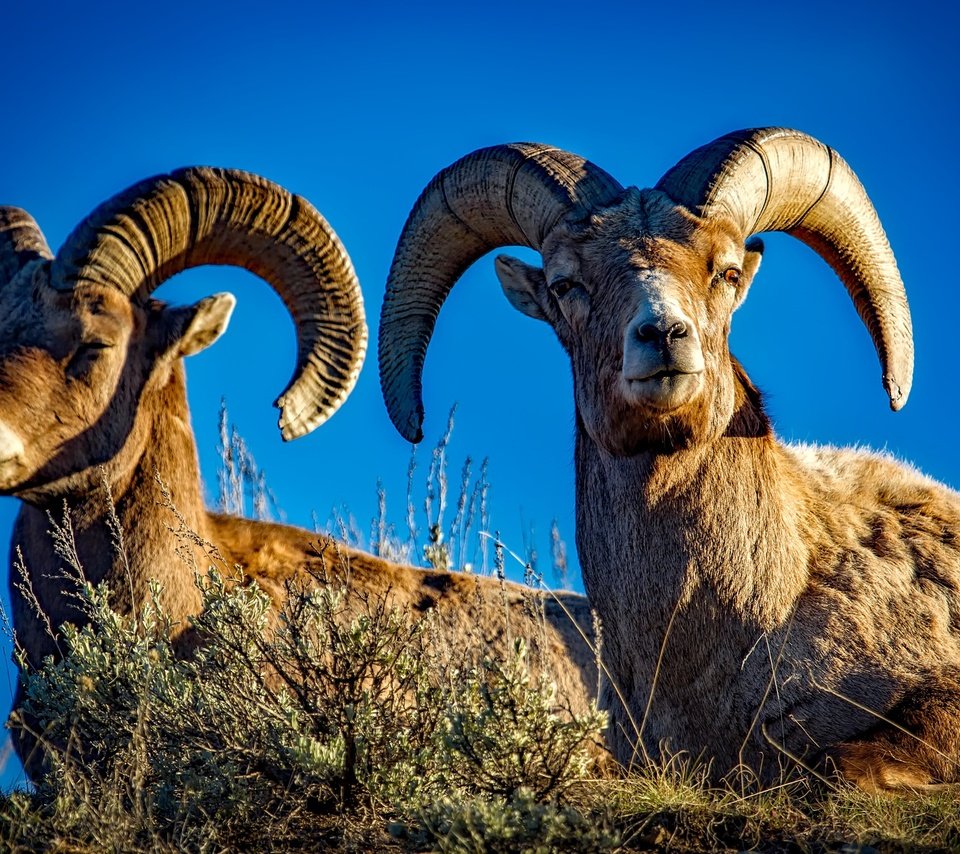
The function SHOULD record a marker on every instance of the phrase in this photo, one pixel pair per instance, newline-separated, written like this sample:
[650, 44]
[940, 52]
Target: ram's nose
[11, 454]
[11, 447]
[661, 342]
[662, 333]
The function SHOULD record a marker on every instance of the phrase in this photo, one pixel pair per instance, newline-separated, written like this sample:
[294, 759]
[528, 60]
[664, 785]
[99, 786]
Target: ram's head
[82, 342]
[640, 285]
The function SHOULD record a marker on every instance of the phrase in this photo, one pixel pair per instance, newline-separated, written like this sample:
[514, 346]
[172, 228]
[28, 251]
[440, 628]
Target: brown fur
[763, 604]
[909, 751]
[118, 413]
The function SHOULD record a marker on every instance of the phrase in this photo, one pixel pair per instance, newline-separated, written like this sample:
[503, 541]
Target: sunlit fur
[83, 412]
[802, 602]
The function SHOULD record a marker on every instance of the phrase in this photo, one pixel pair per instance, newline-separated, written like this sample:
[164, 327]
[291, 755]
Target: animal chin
[665, 390]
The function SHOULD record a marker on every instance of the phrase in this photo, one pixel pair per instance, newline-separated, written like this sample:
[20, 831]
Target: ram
[765, 605]
[93, 412]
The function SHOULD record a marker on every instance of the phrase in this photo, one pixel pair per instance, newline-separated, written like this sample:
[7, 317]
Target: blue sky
[356, 108]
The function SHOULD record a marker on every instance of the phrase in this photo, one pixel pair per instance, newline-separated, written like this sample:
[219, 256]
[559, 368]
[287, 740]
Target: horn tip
[898, 395]
[295, 429]
[413, 434]
[294, 426]
[412, 428]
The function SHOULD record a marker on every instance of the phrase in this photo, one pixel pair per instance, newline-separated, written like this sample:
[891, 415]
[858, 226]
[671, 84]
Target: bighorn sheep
[761, 602]
[92, 388]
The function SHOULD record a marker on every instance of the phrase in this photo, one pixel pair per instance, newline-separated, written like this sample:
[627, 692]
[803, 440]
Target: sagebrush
[331, 718]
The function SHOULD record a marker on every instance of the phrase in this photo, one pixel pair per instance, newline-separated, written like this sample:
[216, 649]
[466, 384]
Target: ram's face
[641, 298]
[74, 369]
[69, 369]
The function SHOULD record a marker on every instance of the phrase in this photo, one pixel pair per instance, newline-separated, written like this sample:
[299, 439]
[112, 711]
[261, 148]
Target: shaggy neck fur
[710, 553]
[160, 445]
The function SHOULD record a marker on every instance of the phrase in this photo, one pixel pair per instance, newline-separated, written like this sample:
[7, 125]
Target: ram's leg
[918, 752]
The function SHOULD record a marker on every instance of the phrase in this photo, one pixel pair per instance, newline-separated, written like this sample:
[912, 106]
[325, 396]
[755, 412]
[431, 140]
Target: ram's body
[471, 607]
[762, 603]
[93, 414]
[806, 592]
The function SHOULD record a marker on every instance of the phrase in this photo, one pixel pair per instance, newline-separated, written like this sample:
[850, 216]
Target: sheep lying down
[93, 413]
[764, 605]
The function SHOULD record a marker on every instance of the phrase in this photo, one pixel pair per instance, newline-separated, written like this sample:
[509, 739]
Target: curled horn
[21, 242]
[500, 196]
[775, 179]
[159, 227]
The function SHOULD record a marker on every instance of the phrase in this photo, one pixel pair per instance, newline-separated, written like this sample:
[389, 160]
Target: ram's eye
[92, 347]
[561, 287]
[731, 276]
[85, 354]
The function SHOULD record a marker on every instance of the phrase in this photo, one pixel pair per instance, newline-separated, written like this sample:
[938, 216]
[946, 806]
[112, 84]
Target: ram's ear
[524, 285]
[751, 263]
[189, 329]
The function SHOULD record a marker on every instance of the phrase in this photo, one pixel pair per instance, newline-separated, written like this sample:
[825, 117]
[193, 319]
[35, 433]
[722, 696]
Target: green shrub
[329, 718]
[505, 736]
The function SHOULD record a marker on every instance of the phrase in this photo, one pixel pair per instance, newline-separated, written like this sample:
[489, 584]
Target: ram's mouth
[659, 375]
[665, 389]
[663, 374]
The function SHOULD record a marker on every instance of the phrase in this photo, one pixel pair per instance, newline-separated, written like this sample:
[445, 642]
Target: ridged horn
[776, 179]
[199, 215]
[21, 242]
[505, 195]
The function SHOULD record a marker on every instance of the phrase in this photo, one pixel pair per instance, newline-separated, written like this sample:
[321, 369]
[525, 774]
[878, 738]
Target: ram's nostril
[657, 333]
[648, 332]
[677, 330]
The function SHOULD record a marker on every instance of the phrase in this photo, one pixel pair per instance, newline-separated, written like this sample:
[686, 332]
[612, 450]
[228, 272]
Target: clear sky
[357, 106]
